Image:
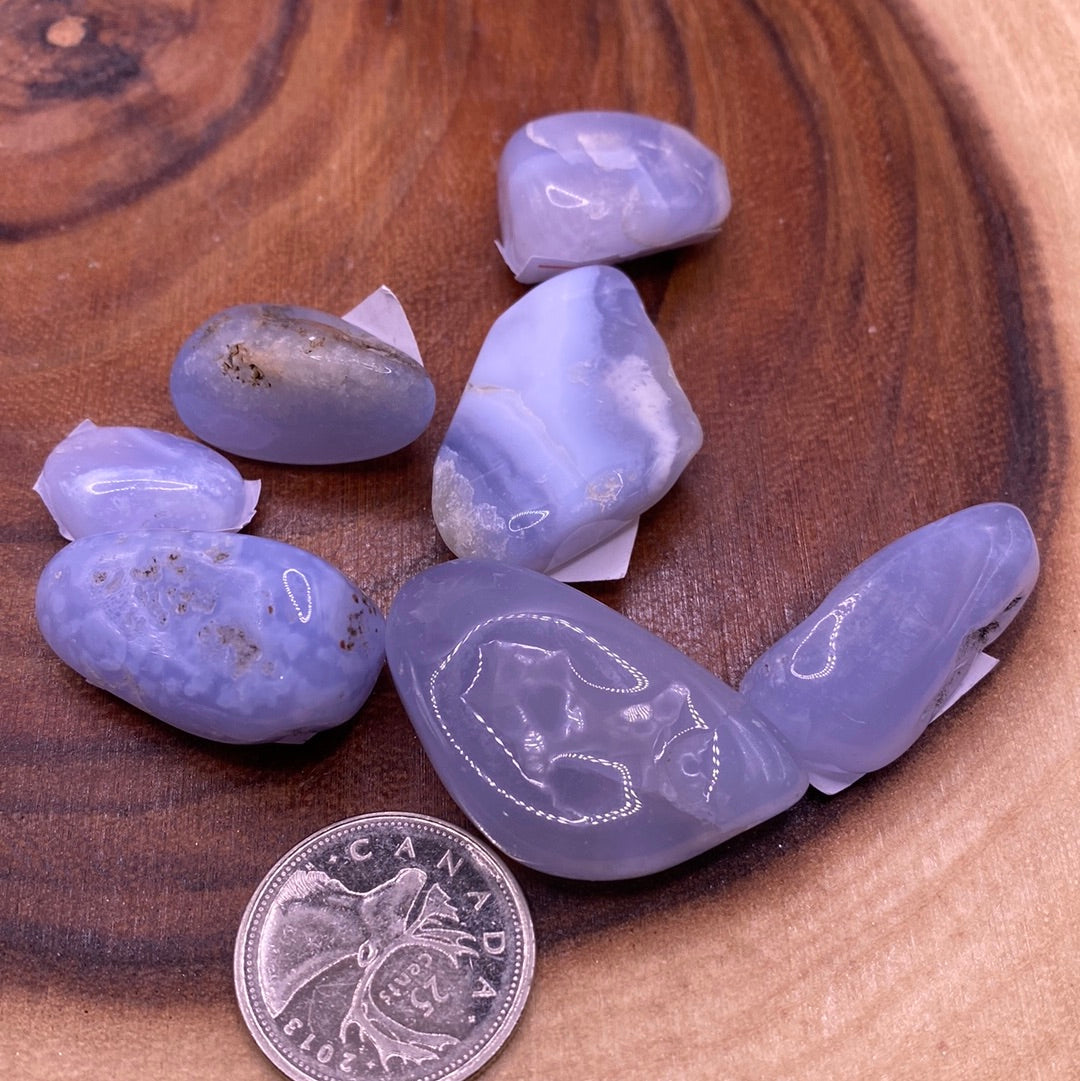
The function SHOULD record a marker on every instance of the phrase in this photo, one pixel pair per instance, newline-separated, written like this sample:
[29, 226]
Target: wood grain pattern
[104, 101]
[876, 338]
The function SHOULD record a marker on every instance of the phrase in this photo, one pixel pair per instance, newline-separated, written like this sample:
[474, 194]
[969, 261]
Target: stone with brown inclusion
[284, 384]
[856, 683]
[577, 741]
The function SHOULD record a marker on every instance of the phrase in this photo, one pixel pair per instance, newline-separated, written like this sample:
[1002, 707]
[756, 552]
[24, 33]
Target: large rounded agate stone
[230, 637]
[99, 480]
[857, 682]
[284, 384]
[603, 187]
[579, 743]
[572, 424]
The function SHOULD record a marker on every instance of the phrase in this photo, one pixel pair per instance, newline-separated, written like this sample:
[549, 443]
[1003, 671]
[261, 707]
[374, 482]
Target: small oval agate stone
[284, 384]
[572, 424]
[576, 741]
[857, 682]
[99, 480]
[227, 636]
[603, 187]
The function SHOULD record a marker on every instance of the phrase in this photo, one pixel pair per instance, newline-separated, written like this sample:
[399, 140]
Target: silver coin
[387, 945]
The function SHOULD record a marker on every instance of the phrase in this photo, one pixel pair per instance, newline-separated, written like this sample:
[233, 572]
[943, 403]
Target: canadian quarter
[390, 945]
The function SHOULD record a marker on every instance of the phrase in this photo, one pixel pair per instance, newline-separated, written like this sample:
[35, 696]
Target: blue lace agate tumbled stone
[857, 682]
[579, 743]
[99, 480]
[285, 384]
[572, 424]
[230, 637]
[603, 187]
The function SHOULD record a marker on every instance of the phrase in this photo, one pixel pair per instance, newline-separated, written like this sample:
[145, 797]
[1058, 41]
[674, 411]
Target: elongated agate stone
[603, 187]
[856, 683]
[99, 480]
[230, 637]
[583, 746]
[572, 424]
[295, 385]
[579, 743]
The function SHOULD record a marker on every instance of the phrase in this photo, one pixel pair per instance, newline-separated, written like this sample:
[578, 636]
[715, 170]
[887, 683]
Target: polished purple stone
[99, 480]
[295, 385]
[603, 187]
[579, 743]
[572, 424]
[857, 682]
[230, 637]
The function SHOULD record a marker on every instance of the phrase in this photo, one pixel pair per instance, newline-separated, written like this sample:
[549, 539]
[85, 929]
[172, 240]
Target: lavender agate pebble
[857, 682]
[572, 424]
[602, 187]
[98, 480]
[294, 385]
[579, 743]
[230, 637]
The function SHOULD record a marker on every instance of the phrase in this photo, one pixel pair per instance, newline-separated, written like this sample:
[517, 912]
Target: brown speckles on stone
[352, 633]
[354, 627]
[233, 639]
[185, 600]
[238, 365]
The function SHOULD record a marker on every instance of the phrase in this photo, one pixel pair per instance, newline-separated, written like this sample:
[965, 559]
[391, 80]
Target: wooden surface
[885, 331]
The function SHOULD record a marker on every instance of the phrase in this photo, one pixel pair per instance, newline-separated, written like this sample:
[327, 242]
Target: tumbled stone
[603, 187]
[579, 743]
[857, 682]
[572, 424]
[295, 385]
[99, 480]
[228, 636]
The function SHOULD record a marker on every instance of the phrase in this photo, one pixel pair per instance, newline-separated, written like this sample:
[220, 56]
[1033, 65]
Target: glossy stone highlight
[572, 424]
[227, 636]
[99, 480]
[579, 743]
[857, 682]
[602, 187]
[285, 384]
